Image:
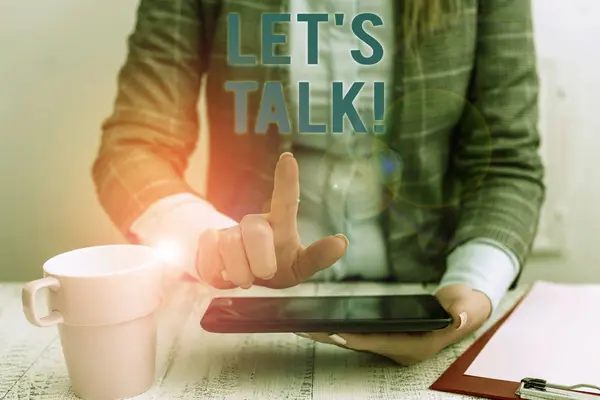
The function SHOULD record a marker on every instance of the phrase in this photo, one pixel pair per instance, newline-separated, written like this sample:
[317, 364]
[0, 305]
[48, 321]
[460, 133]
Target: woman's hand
[265, 249]
[469, 309]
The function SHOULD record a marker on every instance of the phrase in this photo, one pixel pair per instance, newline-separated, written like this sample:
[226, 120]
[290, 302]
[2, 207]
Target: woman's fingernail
[463, 320]
[286, 154]
[225, 276]
[338, 339]
[304, 335]
[344, 238]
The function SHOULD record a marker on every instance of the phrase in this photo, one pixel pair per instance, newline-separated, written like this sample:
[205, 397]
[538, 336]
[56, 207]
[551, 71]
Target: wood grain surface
[194, 364]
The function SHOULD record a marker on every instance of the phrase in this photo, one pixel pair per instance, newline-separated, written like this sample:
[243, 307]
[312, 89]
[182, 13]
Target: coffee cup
[104, 300]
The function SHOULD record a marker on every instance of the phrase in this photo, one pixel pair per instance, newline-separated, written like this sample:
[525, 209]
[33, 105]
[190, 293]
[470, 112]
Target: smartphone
[351, 314]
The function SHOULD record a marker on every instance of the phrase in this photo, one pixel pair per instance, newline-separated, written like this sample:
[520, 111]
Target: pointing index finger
[286, 192]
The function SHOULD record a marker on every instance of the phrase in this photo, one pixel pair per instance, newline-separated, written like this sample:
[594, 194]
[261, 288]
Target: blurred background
[58, 65]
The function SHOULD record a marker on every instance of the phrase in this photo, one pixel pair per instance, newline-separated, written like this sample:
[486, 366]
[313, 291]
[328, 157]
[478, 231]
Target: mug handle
[28, 299]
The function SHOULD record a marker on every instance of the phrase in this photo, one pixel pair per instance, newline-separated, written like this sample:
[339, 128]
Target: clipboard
[454, 379]
[539, 389]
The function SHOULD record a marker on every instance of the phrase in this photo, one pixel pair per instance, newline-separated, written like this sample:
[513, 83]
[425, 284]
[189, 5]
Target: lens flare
[362, 176]
[169, 251]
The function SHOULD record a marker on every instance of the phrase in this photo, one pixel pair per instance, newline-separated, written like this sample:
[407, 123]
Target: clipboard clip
[539, 389]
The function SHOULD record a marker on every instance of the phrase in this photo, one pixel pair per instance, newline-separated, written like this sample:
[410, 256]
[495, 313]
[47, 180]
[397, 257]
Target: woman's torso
[408, 228]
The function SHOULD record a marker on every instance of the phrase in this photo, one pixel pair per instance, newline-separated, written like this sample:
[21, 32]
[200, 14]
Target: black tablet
[352, 314]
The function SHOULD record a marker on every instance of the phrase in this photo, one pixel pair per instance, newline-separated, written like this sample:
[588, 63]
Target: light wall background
[58, 65]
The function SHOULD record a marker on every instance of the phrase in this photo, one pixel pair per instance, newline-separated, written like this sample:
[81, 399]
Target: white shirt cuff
[173, 224]
[485, 265]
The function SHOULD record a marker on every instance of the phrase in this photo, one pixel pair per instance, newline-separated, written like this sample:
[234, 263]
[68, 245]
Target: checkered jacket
[463, 120]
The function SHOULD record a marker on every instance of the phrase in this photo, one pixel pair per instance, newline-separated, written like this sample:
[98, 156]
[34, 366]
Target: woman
[460, 137]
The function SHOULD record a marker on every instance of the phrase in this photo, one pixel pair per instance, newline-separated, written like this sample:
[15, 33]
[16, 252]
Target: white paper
[554, 334]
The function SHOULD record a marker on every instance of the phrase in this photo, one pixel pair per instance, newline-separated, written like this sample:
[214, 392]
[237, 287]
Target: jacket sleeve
[153, 129]
[497, 158]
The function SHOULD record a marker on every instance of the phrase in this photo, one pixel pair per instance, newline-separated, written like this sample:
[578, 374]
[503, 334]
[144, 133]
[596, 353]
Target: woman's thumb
[320, 255]
[455, 301]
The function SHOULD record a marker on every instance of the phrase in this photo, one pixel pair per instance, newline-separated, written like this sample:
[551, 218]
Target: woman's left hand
[468, 308]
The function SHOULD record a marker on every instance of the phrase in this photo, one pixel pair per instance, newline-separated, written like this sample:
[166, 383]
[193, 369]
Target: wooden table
[194, 364]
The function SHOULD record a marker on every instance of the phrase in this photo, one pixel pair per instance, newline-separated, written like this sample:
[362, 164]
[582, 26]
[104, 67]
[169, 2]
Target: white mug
[104, 300]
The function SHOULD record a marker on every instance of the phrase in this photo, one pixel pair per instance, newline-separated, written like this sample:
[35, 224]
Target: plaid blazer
[463, 120]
